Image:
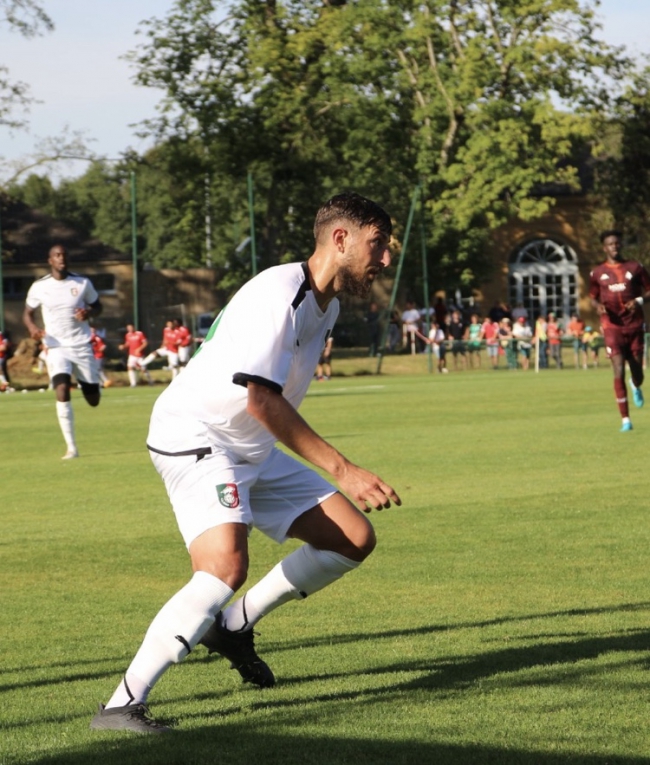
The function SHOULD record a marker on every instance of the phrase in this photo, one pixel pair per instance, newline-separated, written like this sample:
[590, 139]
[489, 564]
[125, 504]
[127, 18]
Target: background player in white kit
[67, 301]
[212, 438]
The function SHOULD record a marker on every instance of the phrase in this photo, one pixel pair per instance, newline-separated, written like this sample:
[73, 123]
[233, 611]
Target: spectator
[410, 326]
[438, 341]
[554, 332]
[373, 316]
[523, 335]
[458, 334]
[474, 341]
[540, 338]
[440, 311]
[5, 351]
[592, 340]
[394, 332]
[497, 312]
[575, 330]
[324, 366]
[507, 343]
[490, 334]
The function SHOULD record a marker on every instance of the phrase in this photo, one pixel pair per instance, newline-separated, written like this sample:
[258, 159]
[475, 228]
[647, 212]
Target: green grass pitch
[503, 618]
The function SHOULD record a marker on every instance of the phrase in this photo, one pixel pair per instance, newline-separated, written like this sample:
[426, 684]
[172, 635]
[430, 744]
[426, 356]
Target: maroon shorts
[624, 341]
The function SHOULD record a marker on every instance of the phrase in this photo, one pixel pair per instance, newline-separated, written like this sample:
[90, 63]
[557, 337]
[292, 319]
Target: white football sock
[176, 629]
[66, 423]
[133, 380]
[302, 573]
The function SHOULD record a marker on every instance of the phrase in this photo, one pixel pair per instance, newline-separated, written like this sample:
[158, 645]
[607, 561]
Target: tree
[28, 18]
[482, 101]
[622, 187]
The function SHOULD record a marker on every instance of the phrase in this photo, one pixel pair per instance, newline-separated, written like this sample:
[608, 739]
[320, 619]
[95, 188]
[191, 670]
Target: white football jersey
[58, 300]
[272, 332]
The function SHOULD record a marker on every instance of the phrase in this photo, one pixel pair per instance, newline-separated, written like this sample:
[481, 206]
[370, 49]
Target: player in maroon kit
[135, 342]
[618, 289]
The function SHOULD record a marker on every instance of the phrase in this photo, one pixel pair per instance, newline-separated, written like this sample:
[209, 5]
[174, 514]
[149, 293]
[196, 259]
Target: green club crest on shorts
[228, 495]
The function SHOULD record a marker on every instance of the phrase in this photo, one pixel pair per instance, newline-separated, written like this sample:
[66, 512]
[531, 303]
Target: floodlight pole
[251, 215]
[425, 277]
[398, 273]
[134, 251]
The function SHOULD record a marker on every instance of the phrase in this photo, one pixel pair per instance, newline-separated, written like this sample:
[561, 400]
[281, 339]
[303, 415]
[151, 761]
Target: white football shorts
[79, 361]
[221, 488]
[171, 356]
[184, 353]
[134, 362]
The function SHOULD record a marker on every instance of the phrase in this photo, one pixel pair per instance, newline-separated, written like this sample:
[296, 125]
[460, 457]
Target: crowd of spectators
[505, 337]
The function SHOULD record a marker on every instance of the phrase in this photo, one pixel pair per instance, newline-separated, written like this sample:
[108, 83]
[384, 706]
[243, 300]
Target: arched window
[543, 277]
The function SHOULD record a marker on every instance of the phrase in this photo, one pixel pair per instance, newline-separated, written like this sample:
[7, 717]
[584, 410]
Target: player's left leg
[86, 370]
[337, 537]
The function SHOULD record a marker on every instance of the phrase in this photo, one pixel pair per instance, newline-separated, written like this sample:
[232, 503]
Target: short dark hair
[355, 208]
[610, 232]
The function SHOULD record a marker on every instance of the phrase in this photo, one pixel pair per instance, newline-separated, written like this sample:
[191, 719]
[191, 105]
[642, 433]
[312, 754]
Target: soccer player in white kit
[67, 301]
[213, 437]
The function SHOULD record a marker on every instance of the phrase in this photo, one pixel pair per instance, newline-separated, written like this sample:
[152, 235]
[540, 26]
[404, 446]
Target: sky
[82, 84]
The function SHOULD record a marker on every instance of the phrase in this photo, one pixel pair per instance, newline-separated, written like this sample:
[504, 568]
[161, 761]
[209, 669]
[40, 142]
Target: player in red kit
[135, 343]
[184, 342]
[168, 349]
[99, 348]
[618, 289]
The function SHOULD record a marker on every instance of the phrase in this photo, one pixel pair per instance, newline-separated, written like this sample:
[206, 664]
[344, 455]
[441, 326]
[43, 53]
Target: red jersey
[170, 339]
[98, 346]
[553, 333]
[134, 342]
[184, 336]
[616, 284]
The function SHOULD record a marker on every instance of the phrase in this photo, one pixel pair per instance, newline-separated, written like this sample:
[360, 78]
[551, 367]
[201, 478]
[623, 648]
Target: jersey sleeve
[33, 299]
[90, 293]
[268, 357]
[594, 286]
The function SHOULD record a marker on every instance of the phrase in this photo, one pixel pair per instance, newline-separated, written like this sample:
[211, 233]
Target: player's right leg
[216, 535]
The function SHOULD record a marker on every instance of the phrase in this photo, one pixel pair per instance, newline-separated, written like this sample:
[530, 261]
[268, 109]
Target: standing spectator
[507, 343]
[213, 438]
[135, 343]
[67, 301]
[592, 340]
[490, 334]
[184, 338]
[373, 316]
[474, 341]
[618, 289]
[410, 326]
[458, 334]
[438, 341]
[540, 338]
[324, 366]
[523, 335]
[497, 312]
[168, 349]
[575, 330]
[99, 349]
[554, 334]
[394, 332]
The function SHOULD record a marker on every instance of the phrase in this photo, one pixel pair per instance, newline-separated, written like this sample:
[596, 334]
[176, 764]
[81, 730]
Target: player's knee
[360, 543]
[90, 392]
[230, 569]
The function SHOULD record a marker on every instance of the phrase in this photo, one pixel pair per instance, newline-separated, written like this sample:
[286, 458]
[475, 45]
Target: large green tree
[480, 101]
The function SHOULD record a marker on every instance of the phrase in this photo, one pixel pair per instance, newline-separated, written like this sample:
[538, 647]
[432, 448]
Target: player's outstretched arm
[277, 415]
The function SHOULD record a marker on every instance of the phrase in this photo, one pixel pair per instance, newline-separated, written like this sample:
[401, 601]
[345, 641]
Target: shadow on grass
[241, 745]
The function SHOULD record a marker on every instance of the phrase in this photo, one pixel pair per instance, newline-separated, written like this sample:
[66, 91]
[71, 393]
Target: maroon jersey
[616, 284]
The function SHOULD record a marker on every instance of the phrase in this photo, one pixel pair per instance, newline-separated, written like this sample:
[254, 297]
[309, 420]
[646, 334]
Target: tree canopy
[483, 103]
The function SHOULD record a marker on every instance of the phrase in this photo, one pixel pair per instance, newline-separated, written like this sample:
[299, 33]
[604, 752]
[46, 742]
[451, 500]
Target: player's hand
[81, 314]
[36, 333]
[367, 490]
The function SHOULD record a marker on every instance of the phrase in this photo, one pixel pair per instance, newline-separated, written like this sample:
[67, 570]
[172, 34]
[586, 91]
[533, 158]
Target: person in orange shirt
[554, 332]
[576, 329]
